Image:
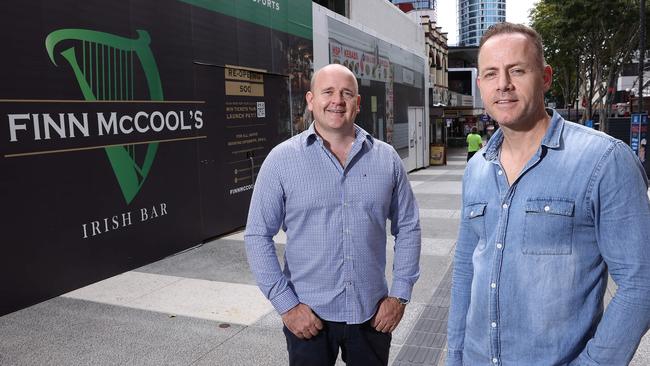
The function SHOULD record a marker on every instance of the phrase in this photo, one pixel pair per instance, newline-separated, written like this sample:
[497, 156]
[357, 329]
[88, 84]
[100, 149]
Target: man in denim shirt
[548, 208]
[331, 189]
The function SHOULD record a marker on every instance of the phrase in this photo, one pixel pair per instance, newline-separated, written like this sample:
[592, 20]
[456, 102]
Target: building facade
[438, 63]
[476, 16]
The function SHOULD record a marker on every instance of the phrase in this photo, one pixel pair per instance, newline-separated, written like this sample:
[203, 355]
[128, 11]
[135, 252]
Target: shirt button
[494, 324]
[471, 213]
[500, 172]
[505, 205]
[493, 285]
[494, 360]
[499, 245]
[546, 208]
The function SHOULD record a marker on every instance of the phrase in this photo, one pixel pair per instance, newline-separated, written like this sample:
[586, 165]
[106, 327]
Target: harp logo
[109, 67]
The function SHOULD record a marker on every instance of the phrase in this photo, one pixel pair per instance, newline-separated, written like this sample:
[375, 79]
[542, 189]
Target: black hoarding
[133, 129]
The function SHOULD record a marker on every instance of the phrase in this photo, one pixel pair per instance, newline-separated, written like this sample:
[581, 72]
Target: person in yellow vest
[474, 143]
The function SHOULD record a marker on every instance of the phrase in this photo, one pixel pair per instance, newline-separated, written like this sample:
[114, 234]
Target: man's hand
[302, 322]
[388, 315]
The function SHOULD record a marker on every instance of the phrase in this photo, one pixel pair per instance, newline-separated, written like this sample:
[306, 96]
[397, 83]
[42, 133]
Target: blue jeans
[360, 345]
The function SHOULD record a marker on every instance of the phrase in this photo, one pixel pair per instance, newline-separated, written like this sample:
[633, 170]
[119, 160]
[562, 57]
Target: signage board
[132, 130]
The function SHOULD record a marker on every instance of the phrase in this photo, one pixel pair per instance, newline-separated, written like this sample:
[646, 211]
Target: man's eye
[517, 71]
[489, 75]
[348, 95]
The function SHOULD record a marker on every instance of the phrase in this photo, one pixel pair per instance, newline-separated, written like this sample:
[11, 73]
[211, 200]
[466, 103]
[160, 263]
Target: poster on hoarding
[364, 65]
[133, 129]
[639, 135]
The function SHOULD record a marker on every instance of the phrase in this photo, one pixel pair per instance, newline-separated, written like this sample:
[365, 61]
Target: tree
[558, 50]
[589, 40]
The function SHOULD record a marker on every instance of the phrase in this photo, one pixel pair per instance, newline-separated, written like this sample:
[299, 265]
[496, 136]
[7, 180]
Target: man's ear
[309, 97]
[359, 103]
[548, 77]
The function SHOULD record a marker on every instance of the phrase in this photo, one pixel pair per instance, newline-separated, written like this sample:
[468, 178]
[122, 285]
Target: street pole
[641, 51]
[641, 67]
[577, 120]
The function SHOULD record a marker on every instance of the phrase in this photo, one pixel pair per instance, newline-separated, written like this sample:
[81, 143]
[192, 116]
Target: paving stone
[425, 345]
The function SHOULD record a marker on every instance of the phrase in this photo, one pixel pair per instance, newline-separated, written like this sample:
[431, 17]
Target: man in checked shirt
[331, 189]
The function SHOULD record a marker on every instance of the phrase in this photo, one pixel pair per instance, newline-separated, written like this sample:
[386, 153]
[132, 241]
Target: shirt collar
[551, 139]
[554, 132]
[360, 135]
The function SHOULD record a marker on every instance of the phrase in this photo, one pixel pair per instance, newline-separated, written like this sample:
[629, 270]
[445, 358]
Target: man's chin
[503, 117]
[335, 124]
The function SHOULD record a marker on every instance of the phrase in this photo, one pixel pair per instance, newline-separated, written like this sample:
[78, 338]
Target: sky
[516, 12]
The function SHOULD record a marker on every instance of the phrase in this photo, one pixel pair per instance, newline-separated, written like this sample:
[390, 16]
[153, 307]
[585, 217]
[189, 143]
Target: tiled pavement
[425, 345]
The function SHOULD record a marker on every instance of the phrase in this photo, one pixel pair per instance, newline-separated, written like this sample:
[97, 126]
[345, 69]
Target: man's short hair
[474, 130]
[508, 28]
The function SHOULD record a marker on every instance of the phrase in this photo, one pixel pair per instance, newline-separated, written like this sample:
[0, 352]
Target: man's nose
[338, 98]
[503, 82]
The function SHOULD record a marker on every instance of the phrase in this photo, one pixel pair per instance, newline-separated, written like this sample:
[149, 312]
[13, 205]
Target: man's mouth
[505, 101]
[336, 110]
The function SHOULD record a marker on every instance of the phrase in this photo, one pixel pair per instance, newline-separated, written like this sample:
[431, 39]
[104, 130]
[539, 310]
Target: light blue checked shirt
[335, 221]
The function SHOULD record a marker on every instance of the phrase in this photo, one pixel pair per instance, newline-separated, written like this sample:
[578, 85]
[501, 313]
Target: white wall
[391, 23]
[321, 34]
[396, 28]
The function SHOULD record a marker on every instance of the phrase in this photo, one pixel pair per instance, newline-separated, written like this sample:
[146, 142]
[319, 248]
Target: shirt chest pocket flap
[475, 213]
[548, 226]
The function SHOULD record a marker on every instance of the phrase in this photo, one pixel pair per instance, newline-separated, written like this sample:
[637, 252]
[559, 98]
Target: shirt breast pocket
[548, 226]
[475, 214]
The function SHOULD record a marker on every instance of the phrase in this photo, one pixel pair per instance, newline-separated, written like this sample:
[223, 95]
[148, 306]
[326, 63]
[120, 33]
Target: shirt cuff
[285, 301]
[401, 289]
[454, 358]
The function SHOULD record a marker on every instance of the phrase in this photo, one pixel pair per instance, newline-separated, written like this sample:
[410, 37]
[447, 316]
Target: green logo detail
[103, 65]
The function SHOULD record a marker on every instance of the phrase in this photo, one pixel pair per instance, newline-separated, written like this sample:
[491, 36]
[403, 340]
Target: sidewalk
[202, 307]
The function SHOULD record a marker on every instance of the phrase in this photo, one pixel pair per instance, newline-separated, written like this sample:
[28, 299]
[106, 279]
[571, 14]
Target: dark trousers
[361, 345]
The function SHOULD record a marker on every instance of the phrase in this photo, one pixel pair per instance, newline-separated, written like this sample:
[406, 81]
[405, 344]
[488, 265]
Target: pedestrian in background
[547, 209]
[331, 188]
[474, 143]
[642, 147]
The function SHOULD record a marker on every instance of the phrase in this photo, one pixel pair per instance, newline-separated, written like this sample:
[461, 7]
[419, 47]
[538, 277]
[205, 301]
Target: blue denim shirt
[335, 221]
[531, 261]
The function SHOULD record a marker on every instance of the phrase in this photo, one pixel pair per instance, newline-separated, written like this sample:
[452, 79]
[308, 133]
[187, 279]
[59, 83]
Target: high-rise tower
[476, 16]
